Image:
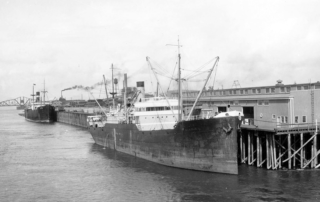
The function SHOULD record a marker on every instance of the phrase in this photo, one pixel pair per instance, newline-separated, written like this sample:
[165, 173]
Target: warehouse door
[248, 112]
[222, 109]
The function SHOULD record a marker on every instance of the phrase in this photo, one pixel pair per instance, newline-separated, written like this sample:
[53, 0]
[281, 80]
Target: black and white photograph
[159, 101]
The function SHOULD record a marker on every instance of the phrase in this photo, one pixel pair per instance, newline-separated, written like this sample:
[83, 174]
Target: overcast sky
[68, 43]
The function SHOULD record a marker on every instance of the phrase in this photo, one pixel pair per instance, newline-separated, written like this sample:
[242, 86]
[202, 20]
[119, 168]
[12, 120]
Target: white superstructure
[155, 113]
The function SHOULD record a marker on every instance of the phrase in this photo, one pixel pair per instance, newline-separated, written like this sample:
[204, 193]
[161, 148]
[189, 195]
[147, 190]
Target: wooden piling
[274, 152]
[258, 151]
[289, 150]
[301, 151]
[249, 148]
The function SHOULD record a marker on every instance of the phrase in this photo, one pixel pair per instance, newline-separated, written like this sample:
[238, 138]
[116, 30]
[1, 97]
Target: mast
[105, 86]
[125, 97]
[113, 104]
[179, 83]
[44, 91]
[33, 93]
[180, 100]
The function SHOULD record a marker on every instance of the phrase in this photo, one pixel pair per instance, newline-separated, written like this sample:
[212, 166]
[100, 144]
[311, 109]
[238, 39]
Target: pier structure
[73, 118]
[294, 146]
[280, 128]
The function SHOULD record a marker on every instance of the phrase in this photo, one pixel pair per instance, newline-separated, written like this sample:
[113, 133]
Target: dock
[289, 146]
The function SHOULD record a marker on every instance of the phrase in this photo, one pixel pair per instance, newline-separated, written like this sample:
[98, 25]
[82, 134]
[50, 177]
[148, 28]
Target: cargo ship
[40, 110]
[155, 129]
[42, 113]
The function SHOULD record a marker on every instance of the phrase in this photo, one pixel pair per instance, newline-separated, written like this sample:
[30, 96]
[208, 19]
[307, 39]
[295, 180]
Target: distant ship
[21, 107]
[155, 129]
[40, 111]
[44, 113]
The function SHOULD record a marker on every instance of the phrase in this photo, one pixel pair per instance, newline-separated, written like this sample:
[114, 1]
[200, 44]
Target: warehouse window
[273, 90]
[304, 119]
[267, 90]
[241, 91]
[288, 89]
[259, 90]
[273, 116]
[296, 119]
[253, 90]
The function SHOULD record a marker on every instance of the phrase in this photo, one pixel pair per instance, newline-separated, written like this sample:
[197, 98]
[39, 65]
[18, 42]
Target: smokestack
[140, 87]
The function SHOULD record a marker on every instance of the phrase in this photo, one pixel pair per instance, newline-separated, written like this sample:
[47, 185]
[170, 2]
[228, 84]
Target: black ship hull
[205, 145]
[42, 114]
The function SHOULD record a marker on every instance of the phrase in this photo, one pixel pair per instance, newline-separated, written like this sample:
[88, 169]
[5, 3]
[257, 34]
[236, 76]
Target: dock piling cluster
[289, 147]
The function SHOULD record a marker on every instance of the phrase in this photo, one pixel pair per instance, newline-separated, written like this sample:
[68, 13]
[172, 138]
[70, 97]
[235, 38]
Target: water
[58, 162]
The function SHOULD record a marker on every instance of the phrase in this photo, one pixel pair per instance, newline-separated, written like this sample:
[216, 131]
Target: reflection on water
[58, 162]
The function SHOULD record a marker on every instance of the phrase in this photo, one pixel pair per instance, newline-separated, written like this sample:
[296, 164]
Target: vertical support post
[244, 149]
[301, 151]
[271, 152]
[249, 147]
[315, 149]
[114, 139]
[130, 141]
[274, 151]
[258, 150]
[241, 152]
[280, 158]
[252, 148]
[261, 160]
[294, 148]
[289, 150]
[267, 149]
